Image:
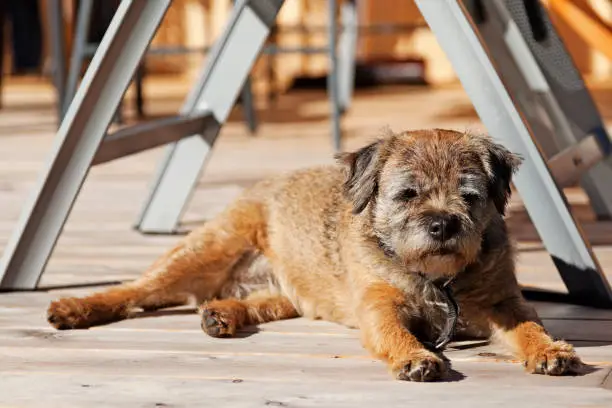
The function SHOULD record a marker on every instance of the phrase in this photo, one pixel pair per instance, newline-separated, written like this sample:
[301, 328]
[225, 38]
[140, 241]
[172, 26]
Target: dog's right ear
[501, 164]
[361, 170]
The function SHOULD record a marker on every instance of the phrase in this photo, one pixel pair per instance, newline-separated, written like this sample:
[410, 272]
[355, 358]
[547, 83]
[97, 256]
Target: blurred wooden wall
[591, 62]
[416, 43]
[196, 23]
[202, 20]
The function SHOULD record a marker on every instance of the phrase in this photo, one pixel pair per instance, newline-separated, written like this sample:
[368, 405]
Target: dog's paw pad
[217, 324]
[423, 370]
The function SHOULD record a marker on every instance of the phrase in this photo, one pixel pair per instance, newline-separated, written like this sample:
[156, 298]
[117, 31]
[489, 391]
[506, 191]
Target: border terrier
[403, 239]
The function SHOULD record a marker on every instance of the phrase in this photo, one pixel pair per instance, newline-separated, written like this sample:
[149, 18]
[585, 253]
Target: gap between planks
[364, 357]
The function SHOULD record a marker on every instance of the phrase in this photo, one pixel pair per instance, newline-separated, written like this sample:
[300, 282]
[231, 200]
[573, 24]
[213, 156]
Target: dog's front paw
[216, 323]
[426, 367]
[557, 359]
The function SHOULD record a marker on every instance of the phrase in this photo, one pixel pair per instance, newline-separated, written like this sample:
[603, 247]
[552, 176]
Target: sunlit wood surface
[164, 360]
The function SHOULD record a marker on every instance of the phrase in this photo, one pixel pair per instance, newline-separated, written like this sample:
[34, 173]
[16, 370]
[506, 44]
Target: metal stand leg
[228, 66]
[543, 200]
[56, 28]
[248, 105]
[332, 78]
[549, 89]
[347, 48]
[248, 102]
[78, 138]
[78, 50]
[79, 53]
[139, 97]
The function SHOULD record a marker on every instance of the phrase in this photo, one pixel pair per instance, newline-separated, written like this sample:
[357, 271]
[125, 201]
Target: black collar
[443, 287]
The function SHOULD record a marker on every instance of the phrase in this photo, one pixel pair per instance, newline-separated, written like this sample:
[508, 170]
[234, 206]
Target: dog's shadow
[586, 369]
[242, 333]
[453, 376]
[164, 312]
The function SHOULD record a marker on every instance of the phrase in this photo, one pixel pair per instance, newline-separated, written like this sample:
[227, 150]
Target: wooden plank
[89, 389]
[123, 363]
[301, 341]
[190, 341]
[173, 321]
[34, 304]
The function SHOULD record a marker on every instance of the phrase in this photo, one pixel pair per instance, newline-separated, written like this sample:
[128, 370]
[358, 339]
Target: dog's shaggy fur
[356, 244]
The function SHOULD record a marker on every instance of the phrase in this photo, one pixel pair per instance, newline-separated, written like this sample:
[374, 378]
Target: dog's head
[430, 194]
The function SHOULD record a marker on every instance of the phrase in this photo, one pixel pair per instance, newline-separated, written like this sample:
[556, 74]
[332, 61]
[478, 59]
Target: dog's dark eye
[407, 194]
[470, 198]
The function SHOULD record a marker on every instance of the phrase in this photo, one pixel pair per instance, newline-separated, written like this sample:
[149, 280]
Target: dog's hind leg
[196, 268]
[221, 318]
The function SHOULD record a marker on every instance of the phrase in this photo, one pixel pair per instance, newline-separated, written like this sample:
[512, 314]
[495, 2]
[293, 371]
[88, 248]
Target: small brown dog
[357, 244]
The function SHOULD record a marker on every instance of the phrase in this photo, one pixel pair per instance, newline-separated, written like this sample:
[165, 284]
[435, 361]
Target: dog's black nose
[443, 227]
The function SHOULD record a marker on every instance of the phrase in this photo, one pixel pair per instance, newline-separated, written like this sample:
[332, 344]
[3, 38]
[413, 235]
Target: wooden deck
[164, 360]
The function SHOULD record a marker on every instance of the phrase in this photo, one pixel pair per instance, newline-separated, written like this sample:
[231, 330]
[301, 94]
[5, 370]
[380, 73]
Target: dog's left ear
[501, 164]
[361, 169]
